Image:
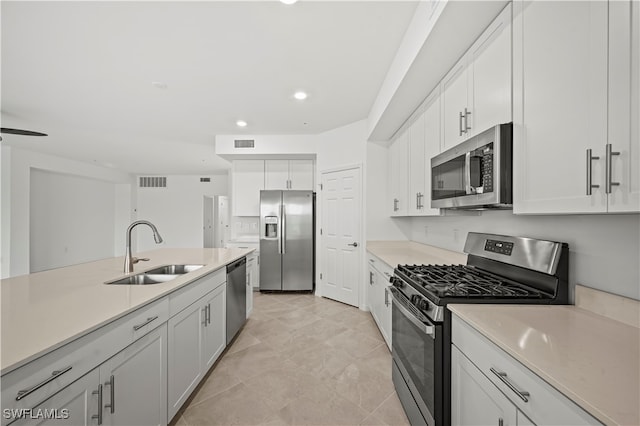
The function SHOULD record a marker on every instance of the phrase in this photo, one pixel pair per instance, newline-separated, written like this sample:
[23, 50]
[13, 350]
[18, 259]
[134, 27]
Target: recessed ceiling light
[159, 84]
[300, 96]
[288, 1]
[241, 123]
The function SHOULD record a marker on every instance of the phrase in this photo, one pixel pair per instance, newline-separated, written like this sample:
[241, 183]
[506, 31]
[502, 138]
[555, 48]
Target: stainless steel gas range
[499, 269]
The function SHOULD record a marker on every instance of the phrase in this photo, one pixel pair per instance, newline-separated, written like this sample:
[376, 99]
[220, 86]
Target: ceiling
[86, 73]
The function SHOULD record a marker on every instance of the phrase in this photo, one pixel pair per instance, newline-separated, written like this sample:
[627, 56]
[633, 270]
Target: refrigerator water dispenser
[271, 227]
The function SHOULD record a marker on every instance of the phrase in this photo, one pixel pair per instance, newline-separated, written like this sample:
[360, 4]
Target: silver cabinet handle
[99, 415]
[372, 261]
[460, 124]
[112, 390]
[590, 159]
[500, 422]
[353, 244]
[395, 204]
[466, 120]
[609, 169]
[139, 326]
[209, 313]
[503, 377]
[54, 375]
[386, 296]
[370, 278]
[204, 312]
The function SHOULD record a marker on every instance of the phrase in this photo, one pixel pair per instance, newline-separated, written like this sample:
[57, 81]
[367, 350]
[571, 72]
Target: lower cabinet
[474, 399]
[489, 387]
[129, 389]
[196, 338]
[252, 267]
[379, 302]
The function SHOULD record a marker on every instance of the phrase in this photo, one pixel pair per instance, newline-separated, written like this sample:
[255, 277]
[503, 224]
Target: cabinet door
[454, 101]
[417, 167]
[301, 174]
[474, 399]
[560, 105]
[431, 146]
[135, 382]
[184, 355]
[383, 308]
[74, 405]
[624, 108]
[247, 181]
[213, 332]
[251, 270]
[490, 68]
[276, 174]
[399, 163]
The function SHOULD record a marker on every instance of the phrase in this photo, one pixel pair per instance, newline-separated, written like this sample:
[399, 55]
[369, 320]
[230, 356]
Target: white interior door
[207, 222]
[341, 242]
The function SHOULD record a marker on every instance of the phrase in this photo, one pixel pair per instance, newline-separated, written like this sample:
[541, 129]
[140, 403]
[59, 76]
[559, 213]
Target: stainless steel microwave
[477, 173]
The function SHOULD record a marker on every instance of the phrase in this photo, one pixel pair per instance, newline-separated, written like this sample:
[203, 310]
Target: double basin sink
[161, 274]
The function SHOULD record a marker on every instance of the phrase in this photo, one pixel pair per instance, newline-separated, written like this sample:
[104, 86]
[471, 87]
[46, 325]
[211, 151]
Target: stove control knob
[396, 282]
[423, 305]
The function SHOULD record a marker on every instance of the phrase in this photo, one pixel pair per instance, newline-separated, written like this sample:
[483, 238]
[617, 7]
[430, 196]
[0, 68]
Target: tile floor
[299, 360]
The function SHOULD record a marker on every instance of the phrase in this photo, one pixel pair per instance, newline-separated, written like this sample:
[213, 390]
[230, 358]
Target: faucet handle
[142, 259]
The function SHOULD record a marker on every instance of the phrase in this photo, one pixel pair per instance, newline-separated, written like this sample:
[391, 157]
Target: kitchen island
[60, 324]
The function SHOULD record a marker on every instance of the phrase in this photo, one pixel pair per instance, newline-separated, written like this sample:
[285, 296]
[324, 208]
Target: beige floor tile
[241, 342]
[254, 360]
[331, 411]
[322, 329]
[391, 412]
[354, 343]
[362, 385]
[235, 406]
[220, 380]
[322, 362]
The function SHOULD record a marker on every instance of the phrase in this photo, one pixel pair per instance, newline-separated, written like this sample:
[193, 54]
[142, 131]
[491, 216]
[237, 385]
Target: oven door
[417, 353]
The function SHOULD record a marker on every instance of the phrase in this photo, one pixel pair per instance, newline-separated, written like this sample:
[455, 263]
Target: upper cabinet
[247, 181]
[576, 107]
[289, 174]
[476, 93]
[398, 178]
[249, 177]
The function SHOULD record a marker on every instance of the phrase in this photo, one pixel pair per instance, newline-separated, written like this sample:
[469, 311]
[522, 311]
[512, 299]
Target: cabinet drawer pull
[608, 175]
[99, 415]
[139, 326]
[503, 377]
[54, 375]
[112, 391]
[209, 313]
[460, 124]
[466, 120]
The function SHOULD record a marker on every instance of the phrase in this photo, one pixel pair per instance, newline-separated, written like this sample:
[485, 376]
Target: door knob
[353, 244]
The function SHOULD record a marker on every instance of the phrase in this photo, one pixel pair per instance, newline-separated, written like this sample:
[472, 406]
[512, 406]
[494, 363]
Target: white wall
[16, 188]
[604, 249]
[72, 220]
[177, 210]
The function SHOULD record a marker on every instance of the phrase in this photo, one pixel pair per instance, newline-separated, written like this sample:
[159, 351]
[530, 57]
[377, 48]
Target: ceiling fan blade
[21, 132]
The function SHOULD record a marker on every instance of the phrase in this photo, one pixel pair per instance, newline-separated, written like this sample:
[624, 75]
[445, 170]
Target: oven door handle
[400, 302]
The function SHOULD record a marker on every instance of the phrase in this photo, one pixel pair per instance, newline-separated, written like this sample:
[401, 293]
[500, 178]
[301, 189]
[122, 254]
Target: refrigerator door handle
[283, 234]
[280, 239]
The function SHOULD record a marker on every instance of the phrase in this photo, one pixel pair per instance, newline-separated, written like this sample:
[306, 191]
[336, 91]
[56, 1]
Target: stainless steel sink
[144, 279]
[174, 269]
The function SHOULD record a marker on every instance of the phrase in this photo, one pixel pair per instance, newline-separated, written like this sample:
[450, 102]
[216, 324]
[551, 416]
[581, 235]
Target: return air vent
[244, 143]
[153, 182]
[205, 179]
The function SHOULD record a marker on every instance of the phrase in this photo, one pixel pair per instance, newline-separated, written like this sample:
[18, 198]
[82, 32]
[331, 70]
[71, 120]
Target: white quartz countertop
[45, 310]
[592, 359]
[395, 253]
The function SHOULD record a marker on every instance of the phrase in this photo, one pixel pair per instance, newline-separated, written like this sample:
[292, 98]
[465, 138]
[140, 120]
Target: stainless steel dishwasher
[236, 297]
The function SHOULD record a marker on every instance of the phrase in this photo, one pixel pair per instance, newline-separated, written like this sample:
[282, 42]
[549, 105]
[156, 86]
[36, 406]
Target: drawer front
[380, 266]
[180, 299]
[36, 381]
[544, 405]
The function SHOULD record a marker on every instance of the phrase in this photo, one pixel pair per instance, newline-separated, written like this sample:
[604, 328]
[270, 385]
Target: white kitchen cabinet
[247, 181]
[416, 168]
[196, 337]
[398, 175]
[252, 267]
[379, 302]
[560, 106]
[474, 399]
[476, 93]
[134, 382]
[431, 148]
[624, 105]
[486, 381]
[75, 405]
[289, 174]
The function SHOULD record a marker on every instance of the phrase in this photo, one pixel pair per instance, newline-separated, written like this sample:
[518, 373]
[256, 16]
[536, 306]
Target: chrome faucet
[129, 260]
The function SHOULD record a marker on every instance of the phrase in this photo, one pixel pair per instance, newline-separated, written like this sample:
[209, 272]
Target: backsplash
[603, 249]
[244, 226]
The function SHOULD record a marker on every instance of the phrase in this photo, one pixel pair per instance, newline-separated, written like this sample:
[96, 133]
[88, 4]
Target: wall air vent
[244, 143]
[205, 179]
[153, 182]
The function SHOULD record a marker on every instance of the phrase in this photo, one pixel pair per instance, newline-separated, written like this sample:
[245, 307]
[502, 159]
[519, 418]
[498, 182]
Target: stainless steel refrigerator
[287, 251]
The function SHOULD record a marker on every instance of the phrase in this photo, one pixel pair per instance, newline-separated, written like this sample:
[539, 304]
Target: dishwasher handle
[235, 265]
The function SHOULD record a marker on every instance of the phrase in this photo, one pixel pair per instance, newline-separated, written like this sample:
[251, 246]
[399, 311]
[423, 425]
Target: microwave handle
[467, 173]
